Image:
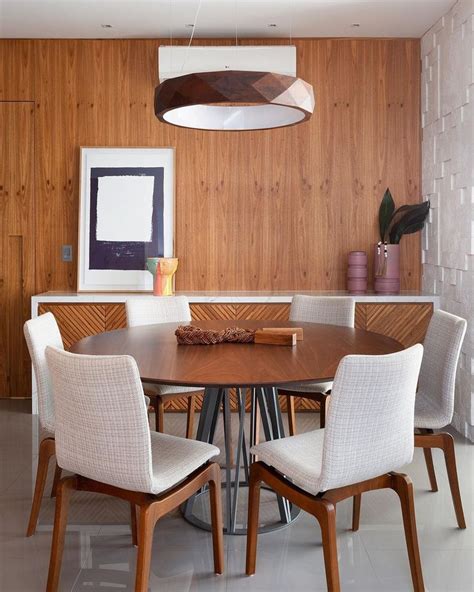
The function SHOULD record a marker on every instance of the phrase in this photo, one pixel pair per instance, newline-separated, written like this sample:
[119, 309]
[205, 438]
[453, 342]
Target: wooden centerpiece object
[274, 337]
[286, 331]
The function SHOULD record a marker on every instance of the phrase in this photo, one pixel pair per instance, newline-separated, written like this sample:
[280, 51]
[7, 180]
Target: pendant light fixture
[233, 100]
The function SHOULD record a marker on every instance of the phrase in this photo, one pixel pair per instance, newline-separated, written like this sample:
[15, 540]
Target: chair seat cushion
[428, 415]
[312, 387]
[298, 458]
[174, 459]
[164, 390]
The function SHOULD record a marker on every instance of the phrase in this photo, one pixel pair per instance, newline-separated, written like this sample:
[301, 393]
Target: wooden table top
[161, 360]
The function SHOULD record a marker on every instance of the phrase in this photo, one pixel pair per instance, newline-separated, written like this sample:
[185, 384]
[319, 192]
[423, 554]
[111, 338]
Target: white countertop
[217, 297]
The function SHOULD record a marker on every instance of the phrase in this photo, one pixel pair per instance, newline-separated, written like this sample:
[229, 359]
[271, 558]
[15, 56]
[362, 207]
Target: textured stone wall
[448, 157]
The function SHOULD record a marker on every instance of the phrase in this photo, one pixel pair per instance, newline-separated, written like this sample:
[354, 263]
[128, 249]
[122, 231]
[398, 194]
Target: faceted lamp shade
[234, 100]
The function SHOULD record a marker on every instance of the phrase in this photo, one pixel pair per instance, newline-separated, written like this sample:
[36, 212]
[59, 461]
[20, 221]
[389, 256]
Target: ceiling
[218, 18]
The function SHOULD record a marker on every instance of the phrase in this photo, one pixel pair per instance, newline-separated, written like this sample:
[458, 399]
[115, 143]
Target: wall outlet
[66, 251]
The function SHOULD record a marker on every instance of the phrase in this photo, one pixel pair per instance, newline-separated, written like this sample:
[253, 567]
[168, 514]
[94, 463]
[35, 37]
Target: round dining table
[217, 369]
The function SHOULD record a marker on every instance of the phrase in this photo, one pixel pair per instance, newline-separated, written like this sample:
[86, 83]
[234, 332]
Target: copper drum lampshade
[234, 100]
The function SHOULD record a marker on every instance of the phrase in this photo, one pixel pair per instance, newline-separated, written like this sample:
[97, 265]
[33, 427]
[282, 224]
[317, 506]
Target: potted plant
[393, 224]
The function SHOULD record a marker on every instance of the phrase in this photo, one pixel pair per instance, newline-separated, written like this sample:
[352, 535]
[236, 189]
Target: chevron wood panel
[115, 317]
[407, 323]
[277, 312]
[206, 312]
[76, 320]
[360, 320]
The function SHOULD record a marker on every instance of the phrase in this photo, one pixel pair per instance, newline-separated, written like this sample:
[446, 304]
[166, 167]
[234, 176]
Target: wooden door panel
[17, 244]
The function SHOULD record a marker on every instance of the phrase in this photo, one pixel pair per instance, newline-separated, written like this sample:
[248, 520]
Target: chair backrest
[442, 347]
[157, 309]
[39, 333]
[327, 310]
[102, 427]
[370, 421]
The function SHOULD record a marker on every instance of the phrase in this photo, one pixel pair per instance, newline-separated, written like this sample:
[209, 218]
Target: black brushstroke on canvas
[126, 255]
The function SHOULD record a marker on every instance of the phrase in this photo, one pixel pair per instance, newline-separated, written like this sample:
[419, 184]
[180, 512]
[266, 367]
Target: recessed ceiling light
[106, 26]
[189, 26]
[272, 25]
[355, 25]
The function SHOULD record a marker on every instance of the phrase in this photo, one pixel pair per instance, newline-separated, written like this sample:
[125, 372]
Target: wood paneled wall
[17, 246]
[266, 210]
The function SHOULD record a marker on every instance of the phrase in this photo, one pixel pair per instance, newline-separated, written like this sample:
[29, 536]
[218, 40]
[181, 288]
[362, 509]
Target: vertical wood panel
[17, 70]
[266, 210]
[17, 245]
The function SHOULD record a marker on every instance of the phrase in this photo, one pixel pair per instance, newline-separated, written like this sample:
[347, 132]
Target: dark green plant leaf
[411, 220]
[387, 207]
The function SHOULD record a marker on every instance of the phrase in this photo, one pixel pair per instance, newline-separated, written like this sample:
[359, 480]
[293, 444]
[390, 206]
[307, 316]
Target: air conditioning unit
[176, 60]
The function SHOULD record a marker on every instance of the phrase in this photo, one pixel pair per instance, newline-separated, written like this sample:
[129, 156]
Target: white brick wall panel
[447, 180]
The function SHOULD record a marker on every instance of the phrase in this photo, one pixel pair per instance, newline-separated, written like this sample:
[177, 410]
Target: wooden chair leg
[57, 478]
[404, 488]
[190, 417]
[290, 405]
[450, 459]
[252, 523]
[327, 521]
[216, 520]
[46, 451]
[356, 500]
[429, 463]
[146, 527]
[65, 488]
[322, 410]
[159, 408]
[430, 468]
[133, 523]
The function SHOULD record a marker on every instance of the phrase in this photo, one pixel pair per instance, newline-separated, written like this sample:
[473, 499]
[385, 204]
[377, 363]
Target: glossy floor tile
[99, 554]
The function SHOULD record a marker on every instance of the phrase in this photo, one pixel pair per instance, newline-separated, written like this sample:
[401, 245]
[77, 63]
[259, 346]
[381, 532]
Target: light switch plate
[66, 251]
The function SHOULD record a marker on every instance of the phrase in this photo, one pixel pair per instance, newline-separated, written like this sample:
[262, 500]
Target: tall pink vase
[357, 272]
[387, 269]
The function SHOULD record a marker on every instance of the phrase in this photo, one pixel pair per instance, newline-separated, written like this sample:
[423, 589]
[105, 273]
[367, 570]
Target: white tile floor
[99, 554]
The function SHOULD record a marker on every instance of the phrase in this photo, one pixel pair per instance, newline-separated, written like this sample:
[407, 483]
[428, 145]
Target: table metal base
[266, 399]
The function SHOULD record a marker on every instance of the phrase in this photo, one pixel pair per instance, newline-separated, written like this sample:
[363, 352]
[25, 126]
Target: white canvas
[125, 208]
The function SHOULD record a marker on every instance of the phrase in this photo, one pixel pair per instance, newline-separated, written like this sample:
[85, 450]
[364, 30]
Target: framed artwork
[126, 214]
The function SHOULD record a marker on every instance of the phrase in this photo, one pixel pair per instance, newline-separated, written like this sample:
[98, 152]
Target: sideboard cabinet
[406, 322]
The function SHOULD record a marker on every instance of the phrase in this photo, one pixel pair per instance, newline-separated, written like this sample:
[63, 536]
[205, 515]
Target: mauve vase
[387, 269]
[357, 272]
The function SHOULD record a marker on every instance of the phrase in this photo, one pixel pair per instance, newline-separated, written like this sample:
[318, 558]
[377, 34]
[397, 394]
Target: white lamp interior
[210, 117]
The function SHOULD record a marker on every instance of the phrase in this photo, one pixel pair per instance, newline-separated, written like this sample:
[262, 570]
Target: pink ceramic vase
[387, 269]
[357, 272]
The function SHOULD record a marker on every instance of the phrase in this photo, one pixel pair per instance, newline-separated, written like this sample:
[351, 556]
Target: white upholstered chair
[156, 472]
[368, 435]
[434, 403]
[312, 309]
[39, 333]
[163, 309]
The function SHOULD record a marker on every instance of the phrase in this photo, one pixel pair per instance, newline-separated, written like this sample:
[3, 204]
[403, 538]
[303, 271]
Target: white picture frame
[126, 214]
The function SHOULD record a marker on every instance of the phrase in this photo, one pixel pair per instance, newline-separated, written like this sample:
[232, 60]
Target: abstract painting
[126, 215]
